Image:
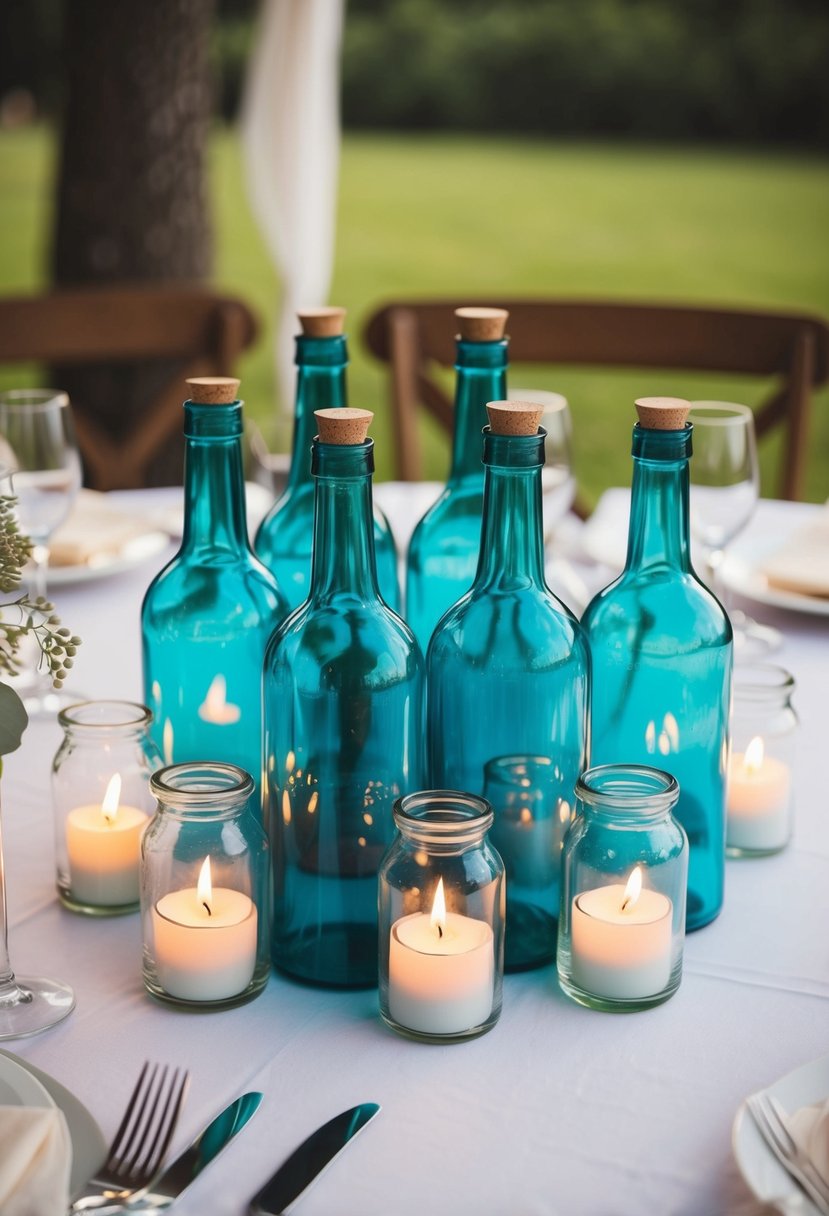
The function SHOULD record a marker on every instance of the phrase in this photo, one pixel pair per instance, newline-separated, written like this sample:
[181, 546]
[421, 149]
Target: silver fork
[770, 1118]
[140, 1144]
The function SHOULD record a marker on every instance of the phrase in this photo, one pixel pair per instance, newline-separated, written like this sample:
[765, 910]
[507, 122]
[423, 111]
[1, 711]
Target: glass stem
[40, 567]
[10, 991]
[713, 564]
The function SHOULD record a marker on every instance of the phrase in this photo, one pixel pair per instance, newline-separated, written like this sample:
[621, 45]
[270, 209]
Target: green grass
[457, 216]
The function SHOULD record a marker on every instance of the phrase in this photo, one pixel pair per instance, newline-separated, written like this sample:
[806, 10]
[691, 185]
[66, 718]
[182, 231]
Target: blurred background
[638, 149]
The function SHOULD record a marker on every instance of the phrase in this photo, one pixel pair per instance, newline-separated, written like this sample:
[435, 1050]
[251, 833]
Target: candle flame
[109, 806]
[204, 887]
[438, 918]
[755, 754]
[633, 888]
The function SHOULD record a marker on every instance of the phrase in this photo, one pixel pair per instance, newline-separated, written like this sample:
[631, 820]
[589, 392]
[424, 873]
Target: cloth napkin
[802, 565]
[95, 529]
[809, 1127]
[35, 1161]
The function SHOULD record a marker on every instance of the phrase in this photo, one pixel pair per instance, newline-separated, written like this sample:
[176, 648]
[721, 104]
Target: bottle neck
[321, 385]
[481, 376]
[214, 484]
[659, 535]
[512, 539]
[343, 560]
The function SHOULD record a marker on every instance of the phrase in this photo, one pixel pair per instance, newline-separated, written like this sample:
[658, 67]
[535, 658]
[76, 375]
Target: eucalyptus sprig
[22, 618]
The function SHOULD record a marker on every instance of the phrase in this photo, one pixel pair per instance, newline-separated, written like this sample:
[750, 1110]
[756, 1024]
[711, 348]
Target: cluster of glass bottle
[487, 689]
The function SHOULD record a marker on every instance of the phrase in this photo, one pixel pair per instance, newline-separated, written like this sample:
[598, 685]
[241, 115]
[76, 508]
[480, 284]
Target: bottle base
[331, 956]
[530, 937]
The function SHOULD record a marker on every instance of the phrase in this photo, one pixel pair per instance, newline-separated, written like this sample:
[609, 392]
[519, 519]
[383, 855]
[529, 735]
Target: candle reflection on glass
[216, 708]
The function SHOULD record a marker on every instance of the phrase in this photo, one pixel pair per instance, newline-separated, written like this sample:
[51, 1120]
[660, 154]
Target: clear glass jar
[102, 804]
[760, 772]
[624, 880]
[441, 918]
[204, 888]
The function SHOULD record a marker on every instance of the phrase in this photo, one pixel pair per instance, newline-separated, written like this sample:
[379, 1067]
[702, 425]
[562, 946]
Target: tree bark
[132, 191]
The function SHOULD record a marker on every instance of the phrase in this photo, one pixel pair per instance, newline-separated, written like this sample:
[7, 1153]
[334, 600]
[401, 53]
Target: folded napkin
[802, 565]
[809, 1127]
[95, 529]
[35, 1161]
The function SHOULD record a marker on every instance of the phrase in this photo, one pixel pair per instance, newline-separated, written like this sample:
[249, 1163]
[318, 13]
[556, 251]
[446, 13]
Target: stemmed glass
[725, 486]
[38, 445]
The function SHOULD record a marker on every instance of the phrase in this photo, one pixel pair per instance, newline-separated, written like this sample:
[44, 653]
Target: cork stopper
[344, 426]
[322, 322]
[662, 413]
[482, 324]
[514, 417]
[213, 390]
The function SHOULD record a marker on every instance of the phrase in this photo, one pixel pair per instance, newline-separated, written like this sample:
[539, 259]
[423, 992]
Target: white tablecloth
[557, 1110]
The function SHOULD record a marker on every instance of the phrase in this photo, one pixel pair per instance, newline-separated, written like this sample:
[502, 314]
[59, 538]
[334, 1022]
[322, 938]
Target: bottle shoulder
[365, 639]
[526, 621]
[217, 577]
[658, 603]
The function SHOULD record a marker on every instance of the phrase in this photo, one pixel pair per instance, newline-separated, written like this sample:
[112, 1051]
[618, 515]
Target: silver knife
[167, 1187]
[309, 1160]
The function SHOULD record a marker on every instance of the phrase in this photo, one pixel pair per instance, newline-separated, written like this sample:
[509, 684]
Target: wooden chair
[183, 331]
[414, 336]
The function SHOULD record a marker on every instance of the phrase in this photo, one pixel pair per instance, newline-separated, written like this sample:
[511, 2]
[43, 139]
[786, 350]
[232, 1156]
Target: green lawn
[452, 215]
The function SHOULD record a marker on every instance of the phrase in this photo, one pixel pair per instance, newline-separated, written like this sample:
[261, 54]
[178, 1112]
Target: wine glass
[38, 444]
[725, 486]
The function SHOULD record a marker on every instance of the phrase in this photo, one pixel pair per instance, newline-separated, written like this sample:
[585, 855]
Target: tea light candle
[103, 843]
[621, 940]
[205, 941]
[441, 970]
[215, 707]
[759, 789]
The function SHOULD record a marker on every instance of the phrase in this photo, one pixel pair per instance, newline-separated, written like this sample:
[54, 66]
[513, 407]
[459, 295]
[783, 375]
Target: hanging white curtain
[291, 146]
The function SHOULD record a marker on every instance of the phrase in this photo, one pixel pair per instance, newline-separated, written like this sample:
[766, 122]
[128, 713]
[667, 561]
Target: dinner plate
[88, 1145]
[136, 551]
[766, 1178]
[740, 572]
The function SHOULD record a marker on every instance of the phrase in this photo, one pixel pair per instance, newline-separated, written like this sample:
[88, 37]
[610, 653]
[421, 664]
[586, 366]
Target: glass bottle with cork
[443, 553]
[661, 648]
[343, 727]
[283, 541]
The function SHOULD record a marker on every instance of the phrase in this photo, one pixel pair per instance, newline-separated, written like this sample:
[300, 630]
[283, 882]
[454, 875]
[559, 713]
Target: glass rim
[719, 413]
[628, 788]
[762, 681]
[462, 816]
[33, 399]
[134, 715]
[197, 785]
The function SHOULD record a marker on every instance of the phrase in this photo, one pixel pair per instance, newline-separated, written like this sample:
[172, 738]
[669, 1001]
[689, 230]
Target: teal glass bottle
[283, 540]
[343, 703]
[207, 617]
[507, 679]
[443, 553]
[661, 646]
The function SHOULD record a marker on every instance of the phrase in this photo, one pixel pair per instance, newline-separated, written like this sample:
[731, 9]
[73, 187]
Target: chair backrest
[185, 331]
[413, 336]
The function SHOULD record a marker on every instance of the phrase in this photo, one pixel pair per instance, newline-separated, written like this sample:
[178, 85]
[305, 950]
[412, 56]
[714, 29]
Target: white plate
[740, 573]
[136, 551]
[88, 1145]
[18, 1087]
[766, 1178]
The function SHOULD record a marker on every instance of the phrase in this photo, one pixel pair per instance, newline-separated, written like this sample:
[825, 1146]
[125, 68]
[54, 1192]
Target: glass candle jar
[624, 880]
[102, 803]
[204, 888]
[761, 768]
[441, 917]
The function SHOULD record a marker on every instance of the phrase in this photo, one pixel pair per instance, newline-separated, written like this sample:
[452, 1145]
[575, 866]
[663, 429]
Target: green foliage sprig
[22, 618]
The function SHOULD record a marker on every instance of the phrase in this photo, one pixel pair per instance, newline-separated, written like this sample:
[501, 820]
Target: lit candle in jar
[205, 941]
[215, 707]
[103, 844]
[621, 940]
[441, 970]
[759, 789]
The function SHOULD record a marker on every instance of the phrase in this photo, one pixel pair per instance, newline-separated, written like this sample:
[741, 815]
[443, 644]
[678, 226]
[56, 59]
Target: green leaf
[13, 720]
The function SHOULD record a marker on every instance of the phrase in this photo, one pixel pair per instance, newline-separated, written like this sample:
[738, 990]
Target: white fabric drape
[291, 145]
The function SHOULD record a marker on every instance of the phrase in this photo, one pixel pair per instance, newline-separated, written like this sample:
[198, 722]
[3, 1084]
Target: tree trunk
[132, 194]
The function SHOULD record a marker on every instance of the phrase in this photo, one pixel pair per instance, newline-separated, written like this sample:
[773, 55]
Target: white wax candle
[215, 707]
[104, 851]
[621, 952]
[441, 984]
[759, 790]
[201, 955]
